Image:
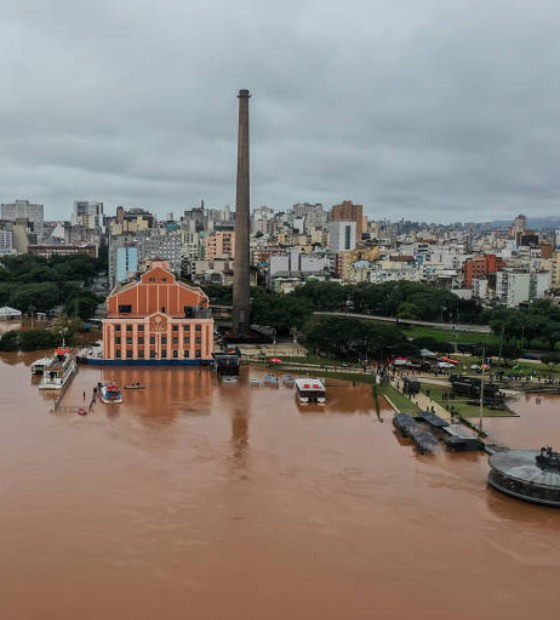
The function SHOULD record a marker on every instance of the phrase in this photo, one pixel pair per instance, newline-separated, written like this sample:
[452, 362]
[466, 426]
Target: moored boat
[288, 380]
[255, 381]
[310, 391]
[58, 371]
[38, 366]
[271, 379]
[111, 394]
[135, 386]
[230, 378]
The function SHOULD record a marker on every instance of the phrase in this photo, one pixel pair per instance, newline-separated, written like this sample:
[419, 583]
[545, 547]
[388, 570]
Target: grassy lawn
[403, 404]
[460, 404]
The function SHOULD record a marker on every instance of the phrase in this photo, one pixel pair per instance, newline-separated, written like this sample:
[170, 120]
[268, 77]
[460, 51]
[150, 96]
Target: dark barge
[408, 427]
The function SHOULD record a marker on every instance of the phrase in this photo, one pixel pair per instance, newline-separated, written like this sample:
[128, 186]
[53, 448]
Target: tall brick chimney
[241, 280]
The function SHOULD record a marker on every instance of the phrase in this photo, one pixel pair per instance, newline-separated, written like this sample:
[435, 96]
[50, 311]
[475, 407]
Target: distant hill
[534, 223]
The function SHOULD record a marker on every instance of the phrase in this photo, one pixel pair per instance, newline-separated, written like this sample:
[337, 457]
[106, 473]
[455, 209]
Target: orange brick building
[158, 320]
[479, 266]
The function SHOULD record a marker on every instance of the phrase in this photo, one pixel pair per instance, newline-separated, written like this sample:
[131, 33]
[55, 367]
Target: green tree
[408, 310]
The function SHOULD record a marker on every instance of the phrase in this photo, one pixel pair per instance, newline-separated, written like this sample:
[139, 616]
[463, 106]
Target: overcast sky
[438, 110]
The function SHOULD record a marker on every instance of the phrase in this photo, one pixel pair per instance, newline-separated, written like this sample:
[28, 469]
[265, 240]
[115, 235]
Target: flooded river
[199, 500]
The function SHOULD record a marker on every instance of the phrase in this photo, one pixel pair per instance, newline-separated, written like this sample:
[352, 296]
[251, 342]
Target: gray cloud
[432, 110]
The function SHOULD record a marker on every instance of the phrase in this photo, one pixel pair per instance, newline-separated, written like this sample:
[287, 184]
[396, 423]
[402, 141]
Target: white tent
[8, 314]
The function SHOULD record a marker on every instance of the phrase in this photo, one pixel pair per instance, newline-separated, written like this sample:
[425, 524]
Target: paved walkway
[424, 403]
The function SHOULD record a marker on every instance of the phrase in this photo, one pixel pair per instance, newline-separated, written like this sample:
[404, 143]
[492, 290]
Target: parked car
[445, 365]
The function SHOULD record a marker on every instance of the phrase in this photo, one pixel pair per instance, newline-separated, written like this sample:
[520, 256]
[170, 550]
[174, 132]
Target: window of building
[163, 309]
[118, 353]
[186, 353]
[129, 354]
[197, 353]
[117, 328]
[175, 340]
[152, 279]
[141, 340]
[175, 328]
[152, 354]
[163, 353]
[164, 279]
[125, 309]
[186, 340]
[141, 355]
[117, 340]
[164, 340]
[129, 328]
[198, 340]
[152, 339]
[140, 328]
[198, 328]
[175, 353]
[129, 340]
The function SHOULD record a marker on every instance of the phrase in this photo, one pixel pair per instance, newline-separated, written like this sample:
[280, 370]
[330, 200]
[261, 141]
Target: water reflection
[240, 436]
[194, 488]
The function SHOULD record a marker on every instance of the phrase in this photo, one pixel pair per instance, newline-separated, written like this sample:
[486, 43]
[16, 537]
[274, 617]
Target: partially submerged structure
[530, 475]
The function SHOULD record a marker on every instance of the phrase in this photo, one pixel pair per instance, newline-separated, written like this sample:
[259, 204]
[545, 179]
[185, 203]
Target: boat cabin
[310, 390]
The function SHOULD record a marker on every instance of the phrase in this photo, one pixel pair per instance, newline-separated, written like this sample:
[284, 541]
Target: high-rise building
[342, 236]
[23, 209]
[349, 212]
[6, 239]
[220, 244]
[88, 213]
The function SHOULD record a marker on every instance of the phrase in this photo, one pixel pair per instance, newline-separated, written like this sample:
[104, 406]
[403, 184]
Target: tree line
[405, 300]
[29, 282]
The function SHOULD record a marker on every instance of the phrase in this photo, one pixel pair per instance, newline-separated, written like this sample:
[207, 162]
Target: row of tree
[406, 300]
[29, 282]
[64, 328]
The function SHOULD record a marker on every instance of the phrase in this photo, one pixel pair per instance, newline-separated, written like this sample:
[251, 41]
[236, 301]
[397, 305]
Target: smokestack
[241, 281]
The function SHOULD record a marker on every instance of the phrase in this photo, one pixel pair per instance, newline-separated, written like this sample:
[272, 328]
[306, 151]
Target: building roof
[432, 419]
[7, 311]
[522, 465]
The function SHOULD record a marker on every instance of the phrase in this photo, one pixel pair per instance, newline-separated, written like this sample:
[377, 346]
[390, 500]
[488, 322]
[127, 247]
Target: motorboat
[271, 379]
[38, 367]
[288, 380]
[111, 394]
[230, 378]
[255, 381]
[58, 371]
[310, 391]
[135, 386]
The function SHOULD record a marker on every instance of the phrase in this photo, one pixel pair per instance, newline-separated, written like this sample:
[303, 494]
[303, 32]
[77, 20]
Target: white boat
[310, 390]
[288, 380]
[58, 371]
[255, 381]
[271, 379]
[111, 394]
[38, 366]
[230, 379]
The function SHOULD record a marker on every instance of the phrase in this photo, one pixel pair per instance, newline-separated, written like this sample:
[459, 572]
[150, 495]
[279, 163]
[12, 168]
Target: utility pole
[501, 344]
[482, 388]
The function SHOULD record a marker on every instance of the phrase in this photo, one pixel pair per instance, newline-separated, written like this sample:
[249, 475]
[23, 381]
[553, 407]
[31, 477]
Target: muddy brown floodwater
[199, 500]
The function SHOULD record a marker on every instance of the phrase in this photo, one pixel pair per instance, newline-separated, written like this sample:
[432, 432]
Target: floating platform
[409, 427]
[529, 475]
